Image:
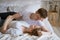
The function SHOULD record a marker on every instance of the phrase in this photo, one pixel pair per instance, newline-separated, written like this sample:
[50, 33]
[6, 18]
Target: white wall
[19, 5]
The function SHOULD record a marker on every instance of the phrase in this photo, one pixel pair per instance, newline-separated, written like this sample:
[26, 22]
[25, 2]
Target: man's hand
[25, 29]
[34, 27]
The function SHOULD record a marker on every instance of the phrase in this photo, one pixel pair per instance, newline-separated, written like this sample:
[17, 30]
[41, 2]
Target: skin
[6, 23]
[36, 16]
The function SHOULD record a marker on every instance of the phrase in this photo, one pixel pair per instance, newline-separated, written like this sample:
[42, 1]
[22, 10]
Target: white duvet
[14, 34]
[45, 36]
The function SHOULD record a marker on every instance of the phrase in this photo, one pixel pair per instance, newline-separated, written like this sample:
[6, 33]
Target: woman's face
[35, 16]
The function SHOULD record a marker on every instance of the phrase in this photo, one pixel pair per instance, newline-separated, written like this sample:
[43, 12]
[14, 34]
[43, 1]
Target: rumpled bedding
[45, 36]
[12, 34]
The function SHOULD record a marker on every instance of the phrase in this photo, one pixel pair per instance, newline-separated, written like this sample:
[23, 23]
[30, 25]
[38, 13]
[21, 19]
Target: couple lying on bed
[36, 26]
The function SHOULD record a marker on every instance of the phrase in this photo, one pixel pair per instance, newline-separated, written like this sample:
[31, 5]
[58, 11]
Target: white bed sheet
[45, 36]
[28, 37]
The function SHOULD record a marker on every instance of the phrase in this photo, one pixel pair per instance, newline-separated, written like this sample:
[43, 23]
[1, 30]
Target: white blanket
[12, 35]
[45, 36]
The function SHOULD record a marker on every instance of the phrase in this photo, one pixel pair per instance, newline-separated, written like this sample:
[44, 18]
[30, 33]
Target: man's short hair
[42, 12]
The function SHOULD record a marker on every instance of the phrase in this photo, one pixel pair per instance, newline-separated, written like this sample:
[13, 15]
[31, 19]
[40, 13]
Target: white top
[26, 17]
[41, 23]
[26, 11]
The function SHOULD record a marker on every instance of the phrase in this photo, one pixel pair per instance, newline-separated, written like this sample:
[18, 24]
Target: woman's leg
[6, 23]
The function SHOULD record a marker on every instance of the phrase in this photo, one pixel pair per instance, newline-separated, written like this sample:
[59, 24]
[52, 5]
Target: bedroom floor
[57, 30]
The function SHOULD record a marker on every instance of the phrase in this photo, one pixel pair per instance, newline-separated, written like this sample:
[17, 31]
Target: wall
[21, 5]
[16, 5]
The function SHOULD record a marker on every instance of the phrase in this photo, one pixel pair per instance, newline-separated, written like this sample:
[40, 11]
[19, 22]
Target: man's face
[35, 16]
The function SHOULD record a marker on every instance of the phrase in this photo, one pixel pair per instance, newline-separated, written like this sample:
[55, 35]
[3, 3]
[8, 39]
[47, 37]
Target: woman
[17, 30]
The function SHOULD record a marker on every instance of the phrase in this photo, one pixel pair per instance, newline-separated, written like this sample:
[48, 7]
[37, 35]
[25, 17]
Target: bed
[45, 36]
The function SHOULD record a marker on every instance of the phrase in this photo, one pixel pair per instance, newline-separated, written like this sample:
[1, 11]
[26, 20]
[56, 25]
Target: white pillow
[30, 8]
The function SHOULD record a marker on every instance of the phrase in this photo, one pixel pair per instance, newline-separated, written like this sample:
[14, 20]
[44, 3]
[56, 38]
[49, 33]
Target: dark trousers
[1, 22]
[4, 15]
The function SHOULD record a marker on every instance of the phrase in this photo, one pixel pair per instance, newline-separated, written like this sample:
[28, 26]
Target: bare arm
[17, 16]
[39, 27]
[6, 23]
[8, 20]
[44, 29]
